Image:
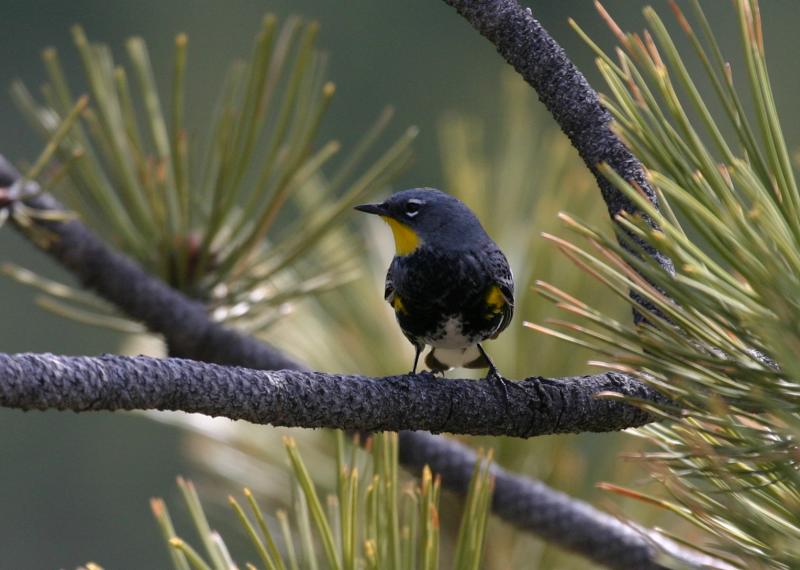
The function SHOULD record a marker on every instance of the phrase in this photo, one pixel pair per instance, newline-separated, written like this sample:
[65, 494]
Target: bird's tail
[441, 359]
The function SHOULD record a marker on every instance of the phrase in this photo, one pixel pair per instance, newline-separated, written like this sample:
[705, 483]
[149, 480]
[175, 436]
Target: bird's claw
[498, 382]
[427, 374]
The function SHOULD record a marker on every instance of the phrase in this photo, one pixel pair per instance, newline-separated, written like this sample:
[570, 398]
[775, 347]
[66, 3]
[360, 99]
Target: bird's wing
[391, 296]
[388, 288]
[503, 278]
[389, 291]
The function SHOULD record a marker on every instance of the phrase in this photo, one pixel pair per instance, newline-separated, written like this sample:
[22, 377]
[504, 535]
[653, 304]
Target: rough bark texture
[556, 517]
[533, 506]
[314, 399]
[537, 57]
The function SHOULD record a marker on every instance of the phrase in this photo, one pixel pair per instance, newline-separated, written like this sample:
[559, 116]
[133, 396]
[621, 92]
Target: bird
[450, 285]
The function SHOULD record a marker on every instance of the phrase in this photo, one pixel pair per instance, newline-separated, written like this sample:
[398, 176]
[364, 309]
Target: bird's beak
[377, 209]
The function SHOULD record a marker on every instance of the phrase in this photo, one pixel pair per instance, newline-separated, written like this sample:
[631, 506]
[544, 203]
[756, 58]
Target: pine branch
[576, 107]
[296, 398]
[542, 62]
[558, 518]
[183, 322]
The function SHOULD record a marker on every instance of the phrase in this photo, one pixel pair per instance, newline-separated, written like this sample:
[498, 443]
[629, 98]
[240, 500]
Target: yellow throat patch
[406, 240]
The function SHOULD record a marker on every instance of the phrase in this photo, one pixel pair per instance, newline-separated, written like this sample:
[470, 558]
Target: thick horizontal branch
[295, 398]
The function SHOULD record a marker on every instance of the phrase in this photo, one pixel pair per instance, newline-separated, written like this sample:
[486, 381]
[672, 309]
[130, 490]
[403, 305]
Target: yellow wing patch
[495, 301]
[398, 306]
[406, 240]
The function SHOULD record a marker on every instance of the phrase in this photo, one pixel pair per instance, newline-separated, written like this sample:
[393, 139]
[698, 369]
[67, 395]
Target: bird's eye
[412, 207]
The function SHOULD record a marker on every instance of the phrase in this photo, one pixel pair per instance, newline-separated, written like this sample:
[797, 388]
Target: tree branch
[183, 322]
[537, 57]
[556, 517]
[294, 398]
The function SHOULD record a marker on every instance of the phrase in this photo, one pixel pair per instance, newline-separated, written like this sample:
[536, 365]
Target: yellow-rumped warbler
[449, 283]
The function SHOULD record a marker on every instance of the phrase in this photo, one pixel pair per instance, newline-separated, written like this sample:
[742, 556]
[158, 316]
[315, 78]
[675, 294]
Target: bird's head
[426, 215]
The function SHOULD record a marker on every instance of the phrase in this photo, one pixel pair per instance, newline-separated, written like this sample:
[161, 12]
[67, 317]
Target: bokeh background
[75, 488]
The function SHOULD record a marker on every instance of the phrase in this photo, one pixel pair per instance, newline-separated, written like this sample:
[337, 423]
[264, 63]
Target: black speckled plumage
[436, 284]
[455, 289]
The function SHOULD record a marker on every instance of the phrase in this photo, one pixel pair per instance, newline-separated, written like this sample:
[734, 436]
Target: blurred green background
[74, 488]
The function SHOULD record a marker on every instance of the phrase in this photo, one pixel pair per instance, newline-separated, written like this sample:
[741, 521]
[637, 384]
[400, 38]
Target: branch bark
[183, 322]
[535, 406]
[564, 90]
[556, 517]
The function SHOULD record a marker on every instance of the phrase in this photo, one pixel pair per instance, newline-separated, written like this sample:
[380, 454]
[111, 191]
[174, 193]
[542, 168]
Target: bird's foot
[498, 382]
[425, 374]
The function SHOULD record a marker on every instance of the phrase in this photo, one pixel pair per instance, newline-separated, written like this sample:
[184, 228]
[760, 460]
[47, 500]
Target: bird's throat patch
[406, 240]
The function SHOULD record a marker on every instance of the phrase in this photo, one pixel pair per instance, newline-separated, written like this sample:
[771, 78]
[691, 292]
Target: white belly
[449, 336]
[457, 357]
[450, 346]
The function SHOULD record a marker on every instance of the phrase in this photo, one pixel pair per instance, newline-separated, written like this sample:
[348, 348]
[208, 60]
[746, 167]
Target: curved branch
[537, 57]
[556, 517]
[294, 398]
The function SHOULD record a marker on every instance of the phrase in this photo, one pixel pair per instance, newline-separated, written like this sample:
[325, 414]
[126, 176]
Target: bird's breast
[450, 334]
[429, 277]
[444, 299]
